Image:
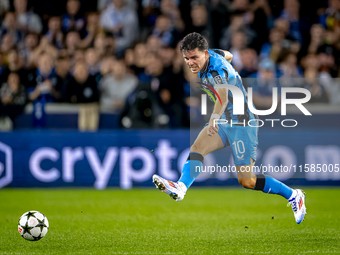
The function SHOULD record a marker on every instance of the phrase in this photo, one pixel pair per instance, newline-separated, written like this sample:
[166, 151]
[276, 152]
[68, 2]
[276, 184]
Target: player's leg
[270, 185]
[244, 153]
[243, 141]
[245, 175]
[264, 183]
[203, 145]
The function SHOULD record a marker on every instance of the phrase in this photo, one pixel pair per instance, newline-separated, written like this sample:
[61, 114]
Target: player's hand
[228, 56]
[7, 99]
[212, 127]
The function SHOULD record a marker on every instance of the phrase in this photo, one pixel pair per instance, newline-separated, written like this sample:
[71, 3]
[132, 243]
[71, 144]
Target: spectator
[192, 95]
[237, 25]
[103, 4]
[9, 26]
[4, 7]
[72, 42]
[317, 38]
[151, 9]
[139, 59]
[3, 75]
[291, 14]
[260, 19]
[288, 71]
[110, 46]
[79, 56]
[122, 21]
[100, 45]
[63, 67]
[219, 10]
[26, 52]
[255, 16]
[178, 63]
[200, 22]
[106, 66]
[92, 30]
[54, 34]
[312, 83]
[13, 98]
[327, 67]
[240, 5]
[6, 45]
[263, 83]
[298, 28]
[115, 88]
[326, 57]
[27, 21]
[167, 55]
[158, 67]
[168, 92]
[91, 58]
[163, 30]
[62, 74]
[44, 46]
[15, 64]
[93, 23]
[83, 89]
[330, 19]
[311, 60]
[331, 38]
[146, 76]
[72, 20]
[142, 109]
[153, 44]
[249, 62]
[289, 43]
[273, 47]
[104, 46]
[238, 43]
[45, 89]
[170, 9]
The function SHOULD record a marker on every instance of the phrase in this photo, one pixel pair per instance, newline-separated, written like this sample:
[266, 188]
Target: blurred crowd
[122, 56]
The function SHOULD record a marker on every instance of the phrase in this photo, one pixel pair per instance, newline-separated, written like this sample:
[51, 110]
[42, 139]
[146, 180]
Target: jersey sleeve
[222, 76]
[220, 52]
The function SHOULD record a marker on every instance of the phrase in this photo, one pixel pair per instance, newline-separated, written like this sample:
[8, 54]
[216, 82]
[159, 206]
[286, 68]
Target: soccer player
[213, 67]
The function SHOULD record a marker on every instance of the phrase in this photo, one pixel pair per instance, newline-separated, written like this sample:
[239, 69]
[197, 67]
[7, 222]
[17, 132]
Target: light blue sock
[191, 168]
[273, 186]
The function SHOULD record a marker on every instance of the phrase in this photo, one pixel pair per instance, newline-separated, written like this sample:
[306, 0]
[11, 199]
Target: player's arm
[226, 54]
[218, 110]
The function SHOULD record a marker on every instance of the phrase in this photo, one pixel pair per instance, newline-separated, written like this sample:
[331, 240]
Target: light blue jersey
[241, 137]
[219, 71]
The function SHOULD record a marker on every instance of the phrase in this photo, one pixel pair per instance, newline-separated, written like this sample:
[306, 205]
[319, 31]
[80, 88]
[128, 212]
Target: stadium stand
[118, 61]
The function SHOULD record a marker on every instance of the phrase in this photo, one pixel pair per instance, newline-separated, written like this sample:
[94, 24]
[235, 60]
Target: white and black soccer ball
[33, 225]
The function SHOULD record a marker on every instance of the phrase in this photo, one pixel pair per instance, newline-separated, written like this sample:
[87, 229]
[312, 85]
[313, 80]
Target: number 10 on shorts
[239, 148]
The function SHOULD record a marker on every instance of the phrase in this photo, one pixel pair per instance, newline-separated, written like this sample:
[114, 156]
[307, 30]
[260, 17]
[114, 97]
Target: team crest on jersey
[218, 79]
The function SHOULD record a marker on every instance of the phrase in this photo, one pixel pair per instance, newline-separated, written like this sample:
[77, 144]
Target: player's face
[196, 59]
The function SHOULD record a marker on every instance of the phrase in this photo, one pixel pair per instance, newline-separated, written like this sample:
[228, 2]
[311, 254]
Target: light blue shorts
[243, 142]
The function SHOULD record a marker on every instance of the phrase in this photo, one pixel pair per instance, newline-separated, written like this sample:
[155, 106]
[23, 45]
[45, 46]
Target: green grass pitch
[146, 221]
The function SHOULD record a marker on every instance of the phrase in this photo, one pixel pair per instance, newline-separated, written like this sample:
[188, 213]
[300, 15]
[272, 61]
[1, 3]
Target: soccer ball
[33, 225]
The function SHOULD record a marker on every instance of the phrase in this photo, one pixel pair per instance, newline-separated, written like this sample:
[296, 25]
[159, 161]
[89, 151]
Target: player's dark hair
[193, 41]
